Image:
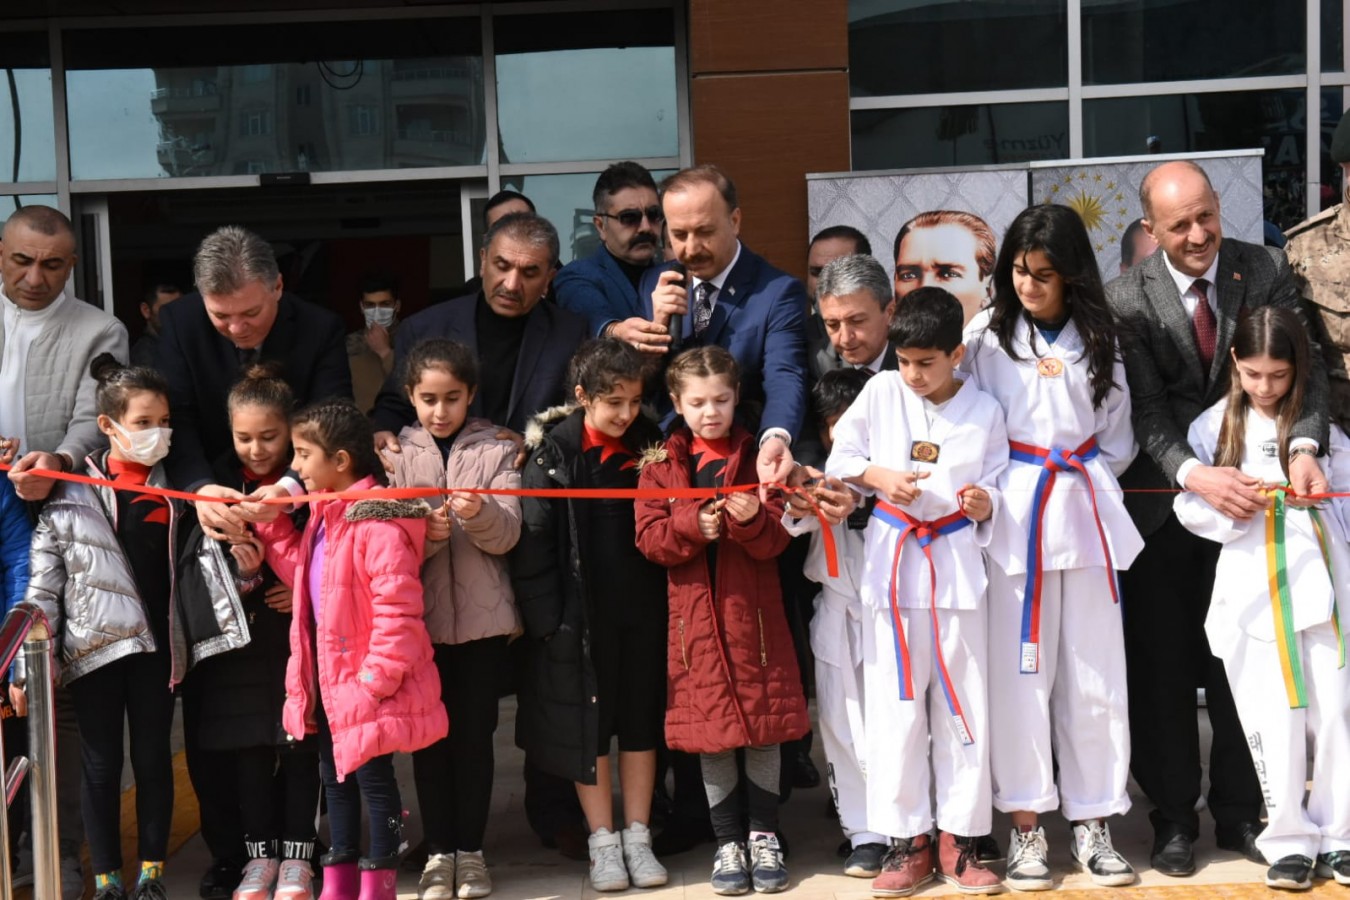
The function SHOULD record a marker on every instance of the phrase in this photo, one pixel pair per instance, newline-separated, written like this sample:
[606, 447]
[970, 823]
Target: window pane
[1333, 35]
[960, 135]
[1185, 123]
[1138, 40]
[391, 95]
[586, 86]
[9, 204]
[1333, 106]
[28, 144]
[908, 47]
[565, 200]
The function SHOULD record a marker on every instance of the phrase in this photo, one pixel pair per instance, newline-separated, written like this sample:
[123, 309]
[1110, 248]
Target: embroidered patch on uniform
[1270, 449]
[1050, 367]
[924, 451]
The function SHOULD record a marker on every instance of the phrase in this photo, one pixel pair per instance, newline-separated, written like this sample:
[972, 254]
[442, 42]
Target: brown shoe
[959, 864]
[905, 868]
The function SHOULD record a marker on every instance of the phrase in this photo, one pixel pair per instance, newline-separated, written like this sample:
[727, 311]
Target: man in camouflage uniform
[1319, 254]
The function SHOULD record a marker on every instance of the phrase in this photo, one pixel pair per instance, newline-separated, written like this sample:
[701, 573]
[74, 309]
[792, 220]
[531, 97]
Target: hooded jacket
[81, 578]
[734, 680]
[467, 587]
[368, 660]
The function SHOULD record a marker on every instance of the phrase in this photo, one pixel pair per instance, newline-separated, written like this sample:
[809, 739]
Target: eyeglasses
[632, 218]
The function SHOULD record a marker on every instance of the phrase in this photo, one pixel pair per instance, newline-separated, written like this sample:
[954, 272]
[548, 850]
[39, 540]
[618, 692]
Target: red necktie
[1205, 325]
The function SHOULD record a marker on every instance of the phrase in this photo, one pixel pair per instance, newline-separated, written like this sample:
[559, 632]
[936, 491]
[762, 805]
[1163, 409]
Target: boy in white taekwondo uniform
[1291, 686]
[929, 448]
[1056, 638]
[836, 638]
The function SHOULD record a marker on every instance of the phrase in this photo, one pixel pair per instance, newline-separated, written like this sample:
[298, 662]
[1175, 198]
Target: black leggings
[132, 690]
[292, 821]
[454, 775]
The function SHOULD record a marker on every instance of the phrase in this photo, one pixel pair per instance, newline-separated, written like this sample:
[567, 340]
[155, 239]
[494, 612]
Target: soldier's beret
[1340, 140]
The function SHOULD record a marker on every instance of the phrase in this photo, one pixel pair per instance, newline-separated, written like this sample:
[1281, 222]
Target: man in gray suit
[1177, 311]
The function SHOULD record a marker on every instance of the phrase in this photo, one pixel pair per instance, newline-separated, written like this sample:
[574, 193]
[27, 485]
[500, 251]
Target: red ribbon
[413, 493]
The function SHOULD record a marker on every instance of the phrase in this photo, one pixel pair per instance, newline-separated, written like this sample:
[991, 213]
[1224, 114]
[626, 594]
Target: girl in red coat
[733, 678]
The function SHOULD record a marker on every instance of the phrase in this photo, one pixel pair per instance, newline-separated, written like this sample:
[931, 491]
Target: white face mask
[146, 447]
[378, 315]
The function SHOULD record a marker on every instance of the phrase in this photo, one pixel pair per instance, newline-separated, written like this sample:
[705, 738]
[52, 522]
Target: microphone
[675, 324]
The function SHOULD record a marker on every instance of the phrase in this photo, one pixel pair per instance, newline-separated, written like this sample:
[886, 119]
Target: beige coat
[468, 589]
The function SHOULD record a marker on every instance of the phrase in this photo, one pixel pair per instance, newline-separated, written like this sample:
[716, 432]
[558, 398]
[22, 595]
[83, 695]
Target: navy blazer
[201, 365]
[760, 317]
[551, 336]
[597, 288]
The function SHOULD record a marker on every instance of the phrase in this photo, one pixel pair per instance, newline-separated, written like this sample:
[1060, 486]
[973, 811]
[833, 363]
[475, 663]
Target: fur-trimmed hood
[656, 453]
[386, 510]
[543, 422]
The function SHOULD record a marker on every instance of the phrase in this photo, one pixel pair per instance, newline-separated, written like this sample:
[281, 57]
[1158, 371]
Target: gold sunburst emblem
[1089, 208]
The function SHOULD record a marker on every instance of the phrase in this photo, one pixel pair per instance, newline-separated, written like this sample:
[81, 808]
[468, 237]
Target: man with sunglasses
[604, 286]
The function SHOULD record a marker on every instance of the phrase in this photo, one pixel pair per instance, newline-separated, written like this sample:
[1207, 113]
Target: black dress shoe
[1173, 854]
[986, 850]
[1241, 838]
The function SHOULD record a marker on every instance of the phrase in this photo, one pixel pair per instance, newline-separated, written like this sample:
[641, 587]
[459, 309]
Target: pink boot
[378, 884]
[341, 881]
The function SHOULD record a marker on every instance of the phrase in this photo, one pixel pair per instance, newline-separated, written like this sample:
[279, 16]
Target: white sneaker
[1092, 852]
[1027, 866]
[643, 869]
[295, 881]
[259, 875]
[438, 878]
[607, 869]
[471, 875]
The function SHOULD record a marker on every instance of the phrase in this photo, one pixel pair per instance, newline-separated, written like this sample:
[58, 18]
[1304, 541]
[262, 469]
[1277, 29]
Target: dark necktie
[247, 357]
[1205, 325]
[703, 292]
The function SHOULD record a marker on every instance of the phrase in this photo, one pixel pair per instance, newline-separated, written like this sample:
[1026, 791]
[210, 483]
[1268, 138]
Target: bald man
[1178, 310]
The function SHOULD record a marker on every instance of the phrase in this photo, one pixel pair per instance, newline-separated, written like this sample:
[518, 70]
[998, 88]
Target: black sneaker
[149, 889]
[865, 861]
[730, 874]
[110, 892]
[1291, 873]
[767, 872]
[1335, 864]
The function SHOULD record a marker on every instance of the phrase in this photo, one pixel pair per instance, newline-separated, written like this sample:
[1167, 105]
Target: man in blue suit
[603, 287]
[735, 299]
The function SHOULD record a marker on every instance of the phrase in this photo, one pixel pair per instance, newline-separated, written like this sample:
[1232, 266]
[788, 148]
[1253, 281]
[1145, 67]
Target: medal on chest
[1049, 367]
[924, 451]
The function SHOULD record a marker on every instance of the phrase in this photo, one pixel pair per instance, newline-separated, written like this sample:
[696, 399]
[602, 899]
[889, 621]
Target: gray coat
[58, 389]
[1168, 386]
[80, 577]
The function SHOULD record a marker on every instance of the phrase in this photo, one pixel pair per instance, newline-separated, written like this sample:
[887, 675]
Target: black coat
[241, 693]
[201, 366]
[552, 335]
[557, 724]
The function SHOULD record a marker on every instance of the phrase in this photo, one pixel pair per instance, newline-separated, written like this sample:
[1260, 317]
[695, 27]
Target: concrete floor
[523, 870]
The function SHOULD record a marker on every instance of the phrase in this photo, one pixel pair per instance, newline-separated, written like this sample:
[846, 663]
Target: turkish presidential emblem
[1050, 367]
[924, 451]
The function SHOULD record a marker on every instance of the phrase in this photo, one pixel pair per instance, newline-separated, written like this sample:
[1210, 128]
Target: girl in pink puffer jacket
[360, 675]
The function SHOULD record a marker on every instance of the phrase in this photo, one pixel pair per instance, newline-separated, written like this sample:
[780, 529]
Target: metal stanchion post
[37, 651]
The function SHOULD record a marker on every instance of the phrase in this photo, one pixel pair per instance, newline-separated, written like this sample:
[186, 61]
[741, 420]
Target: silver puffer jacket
[80, 577]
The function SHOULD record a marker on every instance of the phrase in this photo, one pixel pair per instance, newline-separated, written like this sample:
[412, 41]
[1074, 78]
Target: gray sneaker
[1092, 852]
[471, 875]
[438, 878]
[72, 878]
[607, 869]
[644, 870]
[1028, 869]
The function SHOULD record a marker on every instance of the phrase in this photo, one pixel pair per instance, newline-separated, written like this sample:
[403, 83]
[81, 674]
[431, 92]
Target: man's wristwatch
[1303, 450]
